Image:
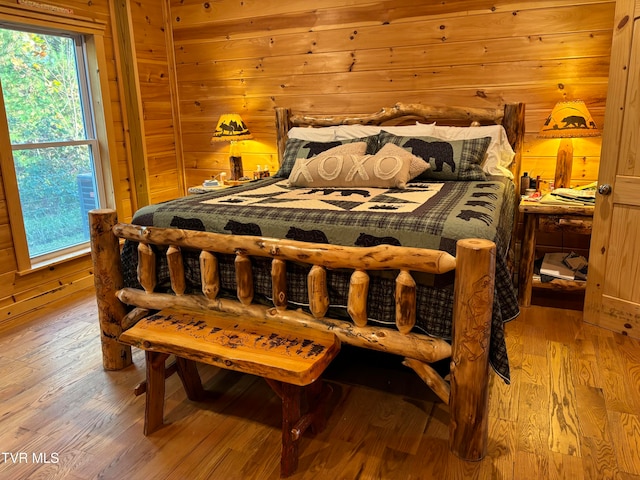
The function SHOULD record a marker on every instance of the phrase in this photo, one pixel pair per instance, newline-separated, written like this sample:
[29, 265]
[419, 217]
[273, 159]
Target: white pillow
[313, 134]
[346, 132]
[499, 154]
[349, 132]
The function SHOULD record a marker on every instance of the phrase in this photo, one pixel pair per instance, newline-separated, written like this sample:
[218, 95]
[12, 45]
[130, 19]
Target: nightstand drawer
[565, 223]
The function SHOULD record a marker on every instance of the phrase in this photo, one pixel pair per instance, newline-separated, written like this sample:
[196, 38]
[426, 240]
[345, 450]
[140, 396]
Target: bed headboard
[511, 116]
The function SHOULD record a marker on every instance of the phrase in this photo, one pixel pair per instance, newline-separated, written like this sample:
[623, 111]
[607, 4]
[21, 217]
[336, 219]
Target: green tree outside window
[51, 135]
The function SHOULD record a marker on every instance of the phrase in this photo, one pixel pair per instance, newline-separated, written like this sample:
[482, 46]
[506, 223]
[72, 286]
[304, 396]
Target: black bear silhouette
[316, 148]
[314, 236]
[441, 152]
[575, 121]
[188, 223]
[344, 192]
[237, 228]
[366, 240]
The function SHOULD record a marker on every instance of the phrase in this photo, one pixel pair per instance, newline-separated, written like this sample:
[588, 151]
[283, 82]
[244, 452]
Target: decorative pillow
[348, 166]
[499, 154]
[297, 148]
[453, 160]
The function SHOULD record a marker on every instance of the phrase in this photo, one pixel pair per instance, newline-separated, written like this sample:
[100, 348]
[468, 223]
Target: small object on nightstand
[525, 182]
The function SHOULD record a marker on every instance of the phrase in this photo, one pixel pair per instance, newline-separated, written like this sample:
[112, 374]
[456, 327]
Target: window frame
[105, 165]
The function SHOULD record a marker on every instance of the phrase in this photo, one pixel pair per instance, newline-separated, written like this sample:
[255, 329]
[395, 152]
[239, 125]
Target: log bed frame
[466, 392]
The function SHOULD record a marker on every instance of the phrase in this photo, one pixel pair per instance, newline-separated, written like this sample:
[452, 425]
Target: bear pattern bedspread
[425, 214]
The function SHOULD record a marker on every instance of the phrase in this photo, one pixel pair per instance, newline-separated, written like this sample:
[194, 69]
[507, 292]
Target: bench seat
[289, 357]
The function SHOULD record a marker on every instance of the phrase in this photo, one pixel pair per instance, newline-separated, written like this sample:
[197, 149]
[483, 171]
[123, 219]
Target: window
[47, 103]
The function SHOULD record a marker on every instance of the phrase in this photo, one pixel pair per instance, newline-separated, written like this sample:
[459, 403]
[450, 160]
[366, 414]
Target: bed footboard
[474, 265]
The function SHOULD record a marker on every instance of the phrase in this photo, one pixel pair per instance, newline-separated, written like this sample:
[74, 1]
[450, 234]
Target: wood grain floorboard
[572, 411]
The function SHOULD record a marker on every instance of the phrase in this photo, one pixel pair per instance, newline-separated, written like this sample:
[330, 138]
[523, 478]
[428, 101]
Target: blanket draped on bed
[428, 215]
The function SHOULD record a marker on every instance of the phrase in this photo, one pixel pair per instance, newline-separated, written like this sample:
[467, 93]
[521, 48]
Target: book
[567, 266]
[553, 265]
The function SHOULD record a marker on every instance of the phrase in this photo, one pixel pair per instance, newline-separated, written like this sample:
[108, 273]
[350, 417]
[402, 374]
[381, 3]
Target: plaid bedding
[428, 215]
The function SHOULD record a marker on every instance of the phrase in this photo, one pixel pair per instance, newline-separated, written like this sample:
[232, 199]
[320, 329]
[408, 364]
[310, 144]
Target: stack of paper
[567, 266]
[569, 196]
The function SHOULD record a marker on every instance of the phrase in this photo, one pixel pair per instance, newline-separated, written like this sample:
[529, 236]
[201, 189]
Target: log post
[282, 127]
[244, 279]
[146, 267]
[357, 299]
[279, 283]
[176, 269]
[209, 275]
[318, 293]
[107, 277]
[472, 312]
[405, 302]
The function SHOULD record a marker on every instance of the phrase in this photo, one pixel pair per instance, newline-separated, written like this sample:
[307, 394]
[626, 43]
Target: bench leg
[317, 395]
[291, 396]
[154, 404]
[188, 373]
[294, 423]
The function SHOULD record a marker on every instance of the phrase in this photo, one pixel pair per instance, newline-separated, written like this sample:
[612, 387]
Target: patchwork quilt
[425, 214]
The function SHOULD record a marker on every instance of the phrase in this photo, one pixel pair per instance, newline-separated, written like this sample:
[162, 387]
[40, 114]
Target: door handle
[604, 189]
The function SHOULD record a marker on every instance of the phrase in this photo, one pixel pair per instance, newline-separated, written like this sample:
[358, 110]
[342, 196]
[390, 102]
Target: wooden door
[613, 286]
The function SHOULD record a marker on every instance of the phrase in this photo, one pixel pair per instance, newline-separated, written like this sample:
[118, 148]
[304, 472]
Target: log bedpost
[472, 312]
[107, 276]
[282, 127]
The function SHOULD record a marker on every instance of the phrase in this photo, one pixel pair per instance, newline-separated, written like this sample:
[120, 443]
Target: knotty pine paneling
[21, 292]
[330, 57]
[154, 62]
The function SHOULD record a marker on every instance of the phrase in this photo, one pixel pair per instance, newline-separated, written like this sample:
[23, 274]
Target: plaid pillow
[296, 148]
[449, 160]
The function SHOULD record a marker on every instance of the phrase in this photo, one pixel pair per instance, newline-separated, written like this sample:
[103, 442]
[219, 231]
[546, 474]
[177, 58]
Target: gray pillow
[449, 160]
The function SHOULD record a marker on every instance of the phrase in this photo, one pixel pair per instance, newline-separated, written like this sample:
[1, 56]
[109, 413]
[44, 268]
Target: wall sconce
[231, 128]
[568, 119]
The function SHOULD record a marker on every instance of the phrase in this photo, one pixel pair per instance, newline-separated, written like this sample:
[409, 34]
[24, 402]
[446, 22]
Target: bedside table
[548, 218]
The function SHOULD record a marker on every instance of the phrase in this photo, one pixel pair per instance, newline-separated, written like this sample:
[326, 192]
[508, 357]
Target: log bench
[290, 358]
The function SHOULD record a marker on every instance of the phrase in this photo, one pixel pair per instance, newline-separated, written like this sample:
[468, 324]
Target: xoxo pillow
[348, 166]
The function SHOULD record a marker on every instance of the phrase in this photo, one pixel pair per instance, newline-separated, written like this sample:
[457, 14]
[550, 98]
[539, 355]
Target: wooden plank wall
[333, 56]
[28, 291]
[158, 101]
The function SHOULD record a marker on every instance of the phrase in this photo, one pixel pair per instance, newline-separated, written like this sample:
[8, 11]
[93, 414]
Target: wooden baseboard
[23, 310]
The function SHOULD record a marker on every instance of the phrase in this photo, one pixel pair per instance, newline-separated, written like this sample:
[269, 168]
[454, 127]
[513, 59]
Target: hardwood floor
[572, 411]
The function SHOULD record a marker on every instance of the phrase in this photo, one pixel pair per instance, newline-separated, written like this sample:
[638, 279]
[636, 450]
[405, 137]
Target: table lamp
[231, 128]
[568, 119]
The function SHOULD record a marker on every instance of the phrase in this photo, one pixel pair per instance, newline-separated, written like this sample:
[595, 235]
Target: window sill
[52, 263]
